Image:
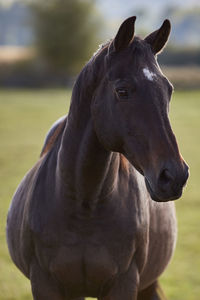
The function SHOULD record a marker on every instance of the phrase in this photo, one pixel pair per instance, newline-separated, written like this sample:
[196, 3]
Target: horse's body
[82, 222]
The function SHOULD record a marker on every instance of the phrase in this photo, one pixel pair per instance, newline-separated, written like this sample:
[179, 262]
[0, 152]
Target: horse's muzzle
[169, 184]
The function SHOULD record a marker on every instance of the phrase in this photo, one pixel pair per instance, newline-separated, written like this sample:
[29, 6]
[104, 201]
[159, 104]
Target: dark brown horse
[83, 222]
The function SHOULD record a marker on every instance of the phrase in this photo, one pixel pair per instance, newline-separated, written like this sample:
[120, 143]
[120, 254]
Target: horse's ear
[124, 35]
[159, 38]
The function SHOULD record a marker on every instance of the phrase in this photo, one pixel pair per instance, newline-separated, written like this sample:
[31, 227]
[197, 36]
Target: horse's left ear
[159, 38]
[124, 35]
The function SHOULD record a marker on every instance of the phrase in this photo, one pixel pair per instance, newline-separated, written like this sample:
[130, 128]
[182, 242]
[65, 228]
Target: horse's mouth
[161, 198]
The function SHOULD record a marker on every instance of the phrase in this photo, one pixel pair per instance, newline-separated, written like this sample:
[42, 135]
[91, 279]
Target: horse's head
[130, 110]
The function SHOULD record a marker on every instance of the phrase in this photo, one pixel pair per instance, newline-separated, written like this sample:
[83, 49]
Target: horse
[94, 217]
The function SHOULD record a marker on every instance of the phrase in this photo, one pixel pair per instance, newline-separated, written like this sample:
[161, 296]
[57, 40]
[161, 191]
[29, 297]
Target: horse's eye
[122, 93]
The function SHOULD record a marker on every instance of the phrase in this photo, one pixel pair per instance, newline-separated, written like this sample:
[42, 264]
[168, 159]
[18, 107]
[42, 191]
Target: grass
[182, 279]
[25, 117]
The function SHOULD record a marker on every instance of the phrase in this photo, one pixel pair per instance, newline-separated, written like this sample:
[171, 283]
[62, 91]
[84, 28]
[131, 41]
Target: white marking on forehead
[148, 74]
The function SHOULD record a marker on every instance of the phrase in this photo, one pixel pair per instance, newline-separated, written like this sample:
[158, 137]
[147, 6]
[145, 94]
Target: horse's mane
[77, 89]
[101, 47]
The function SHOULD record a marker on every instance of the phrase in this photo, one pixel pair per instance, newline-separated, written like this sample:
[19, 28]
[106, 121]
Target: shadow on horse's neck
[89, 170]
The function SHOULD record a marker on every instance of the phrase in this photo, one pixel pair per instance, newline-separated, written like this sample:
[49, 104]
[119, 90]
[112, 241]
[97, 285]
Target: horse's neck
[89, 172]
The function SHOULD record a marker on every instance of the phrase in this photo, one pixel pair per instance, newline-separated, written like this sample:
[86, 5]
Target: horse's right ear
[124, 35]
[159, 38]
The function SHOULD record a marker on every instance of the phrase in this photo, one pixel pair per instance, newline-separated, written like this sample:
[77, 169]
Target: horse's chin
[163, 198]
[157, 195]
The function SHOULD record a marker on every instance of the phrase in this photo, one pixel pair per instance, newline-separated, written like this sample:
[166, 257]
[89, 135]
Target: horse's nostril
[165, 177]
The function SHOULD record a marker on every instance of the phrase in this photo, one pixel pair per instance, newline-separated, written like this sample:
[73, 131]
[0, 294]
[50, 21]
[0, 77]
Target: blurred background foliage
[65, 32]
[46, 43]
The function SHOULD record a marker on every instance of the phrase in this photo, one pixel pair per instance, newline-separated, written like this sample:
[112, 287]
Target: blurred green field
[26, 115]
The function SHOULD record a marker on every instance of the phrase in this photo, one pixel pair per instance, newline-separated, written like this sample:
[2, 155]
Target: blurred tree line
[66, 32]
[179, 56]
[65, 35]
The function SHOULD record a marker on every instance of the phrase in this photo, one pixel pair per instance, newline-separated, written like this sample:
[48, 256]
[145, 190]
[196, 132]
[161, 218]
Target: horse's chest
[86, 268]
[89, 260]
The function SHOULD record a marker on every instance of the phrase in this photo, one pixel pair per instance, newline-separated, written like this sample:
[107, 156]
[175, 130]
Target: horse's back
[52, 134]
